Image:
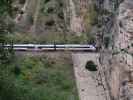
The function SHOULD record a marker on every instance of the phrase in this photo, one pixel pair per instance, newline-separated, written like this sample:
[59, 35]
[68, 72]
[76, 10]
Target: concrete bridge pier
[87, 83]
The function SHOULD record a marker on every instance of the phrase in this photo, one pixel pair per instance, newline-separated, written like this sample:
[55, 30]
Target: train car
[70, 47]
[75, 47]
[24, 46]
[45, 46]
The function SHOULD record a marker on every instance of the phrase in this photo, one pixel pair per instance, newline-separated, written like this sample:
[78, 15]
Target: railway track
[52, 47]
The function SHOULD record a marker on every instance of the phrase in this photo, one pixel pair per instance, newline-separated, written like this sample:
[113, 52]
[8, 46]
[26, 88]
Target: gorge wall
[63, 15]
[117, 51]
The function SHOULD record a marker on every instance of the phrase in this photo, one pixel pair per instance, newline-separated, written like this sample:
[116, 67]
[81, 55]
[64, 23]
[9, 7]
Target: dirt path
[86, 81]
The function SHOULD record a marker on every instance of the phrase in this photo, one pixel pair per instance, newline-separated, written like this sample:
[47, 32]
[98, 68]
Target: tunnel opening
[91, 66]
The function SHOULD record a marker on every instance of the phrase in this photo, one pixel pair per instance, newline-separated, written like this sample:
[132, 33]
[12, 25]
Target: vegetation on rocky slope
[52, 23]
[38, 78]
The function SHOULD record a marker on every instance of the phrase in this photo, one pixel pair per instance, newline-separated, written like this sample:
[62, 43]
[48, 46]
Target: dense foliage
[6, 82]
[5, 28]
[5, 7]
[43, 78]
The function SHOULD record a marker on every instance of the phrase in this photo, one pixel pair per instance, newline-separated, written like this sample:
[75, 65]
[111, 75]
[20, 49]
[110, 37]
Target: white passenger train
[58, 47]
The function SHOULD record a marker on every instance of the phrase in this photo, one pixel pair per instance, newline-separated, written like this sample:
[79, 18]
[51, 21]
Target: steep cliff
[117, 52]
[63, 15]
[62, 21]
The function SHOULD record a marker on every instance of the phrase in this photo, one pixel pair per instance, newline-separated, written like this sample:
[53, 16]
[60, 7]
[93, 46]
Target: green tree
[5, 53]
[5, 8]
[5, 28]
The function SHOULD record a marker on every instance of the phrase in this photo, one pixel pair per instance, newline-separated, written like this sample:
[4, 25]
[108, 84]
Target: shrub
[17, 70]
[50, 23]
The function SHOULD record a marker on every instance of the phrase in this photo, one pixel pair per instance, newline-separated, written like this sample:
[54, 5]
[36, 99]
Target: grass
[45, 78]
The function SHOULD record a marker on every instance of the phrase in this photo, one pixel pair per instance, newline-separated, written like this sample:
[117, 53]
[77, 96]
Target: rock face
[27, 16]
[124, 45]
[117, 62]
[125, 25]
[62, 15]
[76, 22]
[41, 15]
